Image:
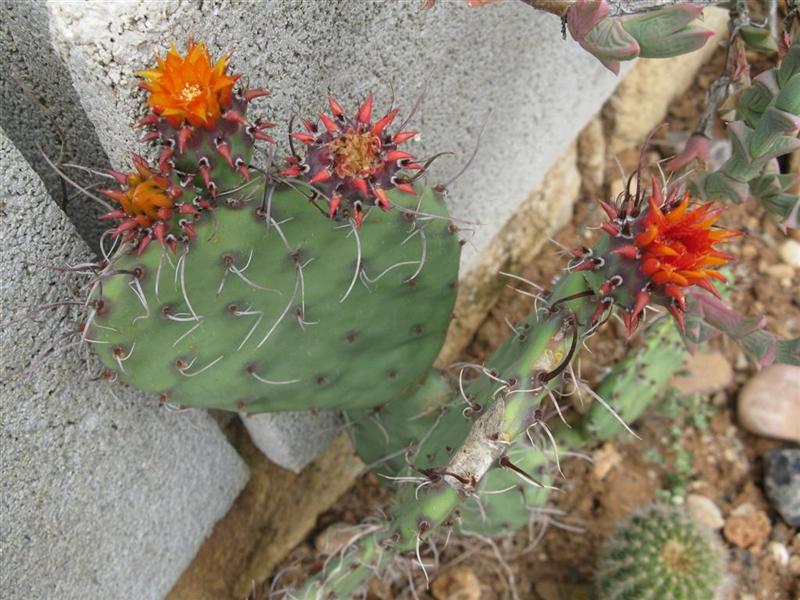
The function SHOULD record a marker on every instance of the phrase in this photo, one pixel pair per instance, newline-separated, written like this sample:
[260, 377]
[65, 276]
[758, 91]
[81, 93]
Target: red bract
[150, 208]
[655, 251]
[352, 162]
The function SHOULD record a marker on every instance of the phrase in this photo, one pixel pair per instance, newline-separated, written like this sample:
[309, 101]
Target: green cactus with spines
[327, 286]
[211, 326]
[429, 499]
[659, 552]
[767, 126]
[496, 479]
[627, 387]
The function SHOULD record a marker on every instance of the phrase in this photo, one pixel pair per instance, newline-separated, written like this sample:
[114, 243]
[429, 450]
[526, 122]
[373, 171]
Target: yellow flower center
[190, 92]
[355, 152]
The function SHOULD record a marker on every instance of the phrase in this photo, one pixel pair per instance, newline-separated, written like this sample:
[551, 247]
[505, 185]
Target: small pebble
[794, 565]
[459, 583]
[780, 271]
[705, 372]
[769, 404]
[790, 253]
[605, 458]
[704, 511]
[779, 553]
[747, 527]
[782, 482]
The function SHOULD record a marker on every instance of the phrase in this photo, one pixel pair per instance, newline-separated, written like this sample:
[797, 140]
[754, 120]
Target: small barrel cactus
[661, 553]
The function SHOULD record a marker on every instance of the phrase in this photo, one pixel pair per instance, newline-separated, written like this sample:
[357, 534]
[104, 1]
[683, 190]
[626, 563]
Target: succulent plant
[661, 33]
[659, 552]
[766, 127]
[255, 297]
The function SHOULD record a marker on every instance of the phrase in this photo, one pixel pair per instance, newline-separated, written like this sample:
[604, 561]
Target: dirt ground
[690, 444]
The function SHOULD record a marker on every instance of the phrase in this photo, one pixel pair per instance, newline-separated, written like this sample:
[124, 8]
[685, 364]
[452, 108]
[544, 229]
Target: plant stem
[620, 7]
[720, 89]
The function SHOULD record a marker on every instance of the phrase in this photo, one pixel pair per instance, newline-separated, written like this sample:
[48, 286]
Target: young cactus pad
[295, 313]
[661, 553]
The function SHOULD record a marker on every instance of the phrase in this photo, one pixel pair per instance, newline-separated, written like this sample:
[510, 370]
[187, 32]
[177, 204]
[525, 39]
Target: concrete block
[292, 440]
[275, 512]
[41, 109]
[104, 494]
[504, 65]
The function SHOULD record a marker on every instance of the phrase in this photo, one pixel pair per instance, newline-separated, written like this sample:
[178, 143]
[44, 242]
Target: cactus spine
[661, 553]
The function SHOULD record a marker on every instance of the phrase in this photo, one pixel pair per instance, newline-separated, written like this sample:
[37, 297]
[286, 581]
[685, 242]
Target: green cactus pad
[635, 380]
[259, 318]
[428, 425]
[660, 553]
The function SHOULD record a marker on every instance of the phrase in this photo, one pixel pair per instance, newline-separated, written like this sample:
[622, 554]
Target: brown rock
[592, 154]
[747, 527]
[769, 404]
[459, 583]
[274, 512]
[704, 373]
[704, 511]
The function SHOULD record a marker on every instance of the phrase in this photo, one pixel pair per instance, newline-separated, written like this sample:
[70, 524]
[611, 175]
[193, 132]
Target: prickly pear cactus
[262, 293]
[661, 553]
[478, 462]
[243, 319]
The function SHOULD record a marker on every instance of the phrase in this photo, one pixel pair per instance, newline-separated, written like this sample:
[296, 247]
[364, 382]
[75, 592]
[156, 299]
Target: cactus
[766, 127]
[256, 298]
[328, 284]
[649, 253]
[660, 553]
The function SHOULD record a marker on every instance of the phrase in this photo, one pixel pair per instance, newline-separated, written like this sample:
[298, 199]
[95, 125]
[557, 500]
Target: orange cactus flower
[146, 193]
[677, 247]
[189, 89]
[655, 252]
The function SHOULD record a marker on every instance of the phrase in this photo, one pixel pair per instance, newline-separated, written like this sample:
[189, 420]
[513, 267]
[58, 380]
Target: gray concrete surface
[103, 493]
[40, 111]
[504, 65]
[292, 440]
